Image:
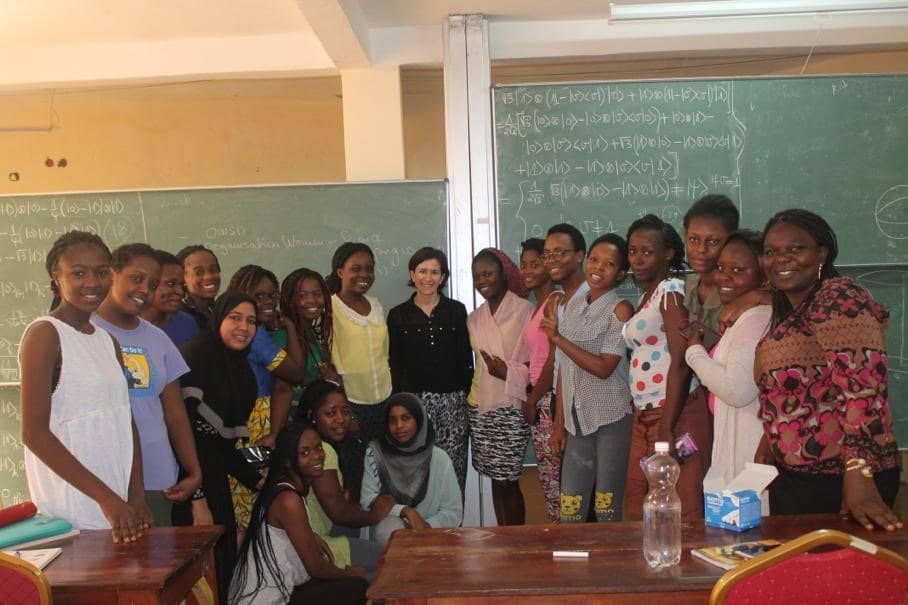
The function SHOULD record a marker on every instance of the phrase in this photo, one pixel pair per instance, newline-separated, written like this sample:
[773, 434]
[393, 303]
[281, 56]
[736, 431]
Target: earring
[820, 272]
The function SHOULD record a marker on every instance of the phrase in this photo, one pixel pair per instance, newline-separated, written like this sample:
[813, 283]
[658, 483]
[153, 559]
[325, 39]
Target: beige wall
[178, 135]
[423, 104]
[287, 130]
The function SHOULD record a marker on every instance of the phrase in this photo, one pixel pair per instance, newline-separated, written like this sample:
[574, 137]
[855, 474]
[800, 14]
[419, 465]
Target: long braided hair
[307, 332]
[257, 544]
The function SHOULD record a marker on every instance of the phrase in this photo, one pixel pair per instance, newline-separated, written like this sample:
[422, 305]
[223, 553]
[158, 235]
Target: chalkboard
[279, 227]
[13, 486]
[599, 155]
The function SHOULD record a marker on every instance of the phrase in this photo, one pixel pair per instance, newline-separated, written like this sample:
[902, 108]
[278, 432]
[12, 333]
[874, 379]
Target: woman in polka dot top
[668, 400]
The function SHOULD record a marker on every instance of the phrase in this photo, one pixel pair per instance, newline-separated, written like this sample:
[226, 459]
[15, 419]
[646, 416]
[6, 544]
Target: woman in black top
[219, 392]
[430, 354]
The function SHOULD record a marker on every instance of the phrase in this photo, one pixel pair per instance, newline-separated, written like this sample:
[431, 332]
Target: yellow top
[360, 351]
[319, 521]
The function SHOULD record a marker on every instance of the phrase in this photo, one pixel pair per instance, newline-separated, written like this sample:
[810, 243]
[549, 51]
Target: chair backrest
[22, 583]
[790, 574]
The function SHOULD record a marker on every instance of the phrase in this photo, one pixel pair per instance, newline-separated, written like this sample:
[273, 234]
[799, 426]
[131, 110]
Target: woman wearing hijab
[405, 463]
[219, 392]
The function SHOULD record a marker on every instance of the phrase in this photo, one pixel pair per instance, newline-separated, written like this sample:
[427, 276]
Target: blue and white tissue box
[736, 505]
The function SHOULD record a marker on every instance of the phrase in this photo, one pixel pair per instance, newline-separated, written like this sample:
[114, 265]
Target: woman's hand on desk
[861, 499]
[413, 519]
[127, 523]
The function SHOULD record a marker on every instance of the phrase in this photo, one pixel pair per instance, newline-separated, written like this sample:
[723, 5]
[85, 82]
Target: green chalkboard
[599, 155]
[13, 486]
[278, 227]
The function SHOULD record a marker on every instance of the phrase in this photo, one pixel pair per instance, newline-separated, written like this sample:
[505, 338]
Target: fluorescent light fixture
[743, 8]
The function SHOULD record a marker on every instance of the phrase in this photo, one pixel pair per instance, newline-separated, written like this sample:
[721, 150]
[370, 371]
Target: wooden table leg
[205, 593]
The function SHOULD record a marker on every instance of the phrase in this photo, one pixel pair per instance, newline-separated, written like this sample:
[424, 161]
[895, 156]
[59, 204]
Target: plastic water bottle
[662, 510]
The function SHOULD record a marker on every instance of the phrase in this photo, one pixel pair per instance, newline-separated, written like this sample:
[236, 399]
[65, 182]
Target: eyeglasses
[556, 254]
[264, 296]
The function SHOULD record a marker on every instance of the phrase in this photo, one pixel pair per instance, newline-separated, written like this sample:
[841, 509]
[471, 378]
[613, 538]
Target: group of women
[764, 353]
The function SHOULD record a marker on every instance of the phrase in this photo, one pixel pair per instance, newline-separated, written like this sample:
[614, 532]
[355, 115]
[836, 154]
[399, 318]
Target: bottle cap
[662, 447]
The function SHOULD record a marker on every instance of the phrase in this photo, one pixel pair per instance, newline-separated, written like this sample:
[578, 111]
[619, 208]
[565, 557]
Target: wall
[175, 135]
[289, 130]
[423, 105]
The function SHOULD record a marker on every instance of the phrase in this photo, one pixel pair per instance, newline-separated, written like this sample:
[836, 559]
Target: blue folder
[35, 528]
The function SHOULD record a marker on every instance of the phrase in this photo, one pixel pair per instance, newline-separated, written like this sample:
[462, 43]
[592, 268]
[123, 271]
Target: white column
[471, 201]
[479, 83]
[457, 157]
[373, 124]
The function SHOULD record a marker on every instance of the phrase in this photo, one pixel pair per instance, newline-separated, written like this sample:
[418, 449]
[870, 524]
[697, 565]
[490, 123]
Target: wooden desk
[160, 568]
[511, 565]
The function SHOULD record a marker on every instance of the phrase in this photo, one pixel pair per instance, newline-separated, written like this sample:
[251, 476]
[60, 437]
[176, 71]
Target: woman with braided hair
[82, 454]
[306, 304]
[668, 398]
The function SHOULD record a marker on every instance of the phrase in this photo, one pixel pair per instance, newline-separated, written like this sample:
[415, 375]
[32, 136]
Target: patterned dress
[265, 355]
[649, 372]
[645, 336]
[823, 378]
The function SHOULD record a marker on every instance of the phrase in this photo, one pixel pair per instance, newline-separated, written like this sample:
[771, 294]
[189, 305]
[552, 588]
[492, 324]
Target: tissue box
[736, 505]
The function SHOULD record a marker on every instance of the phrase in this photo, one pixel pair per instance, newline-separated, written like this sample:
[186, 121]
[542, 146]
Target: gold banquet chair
[857, 572]
[22, 583]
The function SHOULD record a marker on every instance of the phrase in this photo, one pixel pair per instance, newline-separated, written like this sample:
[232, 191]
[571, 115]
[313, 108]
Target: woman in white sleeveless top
[81, 455]
[282, 560]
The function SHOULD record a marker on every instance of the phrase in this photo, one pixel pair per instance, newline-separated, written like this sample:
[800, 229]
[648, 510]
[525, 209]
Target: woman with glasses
[275, 350]
[562, 255]
[823, 376]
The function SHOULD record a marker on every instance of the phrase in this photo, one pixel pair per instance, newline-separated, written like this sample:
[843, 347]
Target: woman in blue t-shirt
[153, 368]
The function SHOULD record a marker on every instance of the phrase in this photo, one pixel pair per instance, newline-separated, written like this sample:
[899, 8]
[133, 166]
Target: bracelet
[198, 494]
[859, 464]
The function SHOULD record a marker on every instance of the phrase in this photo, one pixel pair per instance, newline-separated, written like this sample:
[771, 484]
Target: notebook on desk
[40, 557]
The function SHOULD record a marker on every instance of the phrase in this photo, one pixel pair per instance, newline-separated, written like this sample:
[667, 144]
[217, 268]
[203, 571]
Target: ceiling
[69, 43]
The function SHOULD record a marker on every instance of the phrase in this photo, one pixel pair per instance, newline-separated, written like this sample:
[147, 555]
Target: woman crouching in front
[282, 560]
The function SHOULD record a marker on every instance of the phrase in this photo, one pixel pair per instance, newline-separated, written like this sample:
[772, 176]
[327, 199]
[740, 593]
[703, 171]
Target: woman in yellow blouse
[360, 347]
